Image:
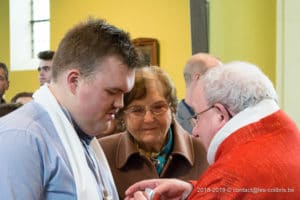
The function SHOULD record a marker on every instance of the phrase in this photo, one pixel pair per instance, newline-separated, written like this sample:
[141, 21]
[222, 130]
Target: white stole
[86, 185]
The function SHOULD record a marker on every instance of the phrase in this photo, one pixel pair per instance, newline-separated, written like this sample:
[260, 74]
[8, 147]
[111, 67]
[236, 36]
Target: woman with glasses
[152, 144]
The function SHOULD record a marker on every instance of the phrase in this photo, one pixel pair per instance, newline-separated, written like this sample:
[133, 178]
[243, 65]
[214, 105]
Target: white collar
[243, 118]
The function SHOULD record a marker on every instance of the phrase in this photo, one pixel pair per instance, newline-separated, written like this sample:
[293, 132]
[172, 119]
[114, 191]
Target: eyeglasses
[157, 108]
[195, 118]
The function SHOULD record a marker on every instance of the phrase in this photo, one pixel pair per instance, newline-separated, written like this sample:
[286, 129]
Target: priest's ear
[223, 113]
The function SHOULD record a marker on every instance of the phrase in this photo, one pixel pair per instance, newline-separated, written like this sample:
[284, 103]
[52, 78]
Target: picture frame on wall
[148, 47]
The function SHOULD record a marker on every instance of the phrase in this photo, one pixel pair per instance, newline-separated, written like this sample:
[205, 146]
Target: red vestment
[258, 161]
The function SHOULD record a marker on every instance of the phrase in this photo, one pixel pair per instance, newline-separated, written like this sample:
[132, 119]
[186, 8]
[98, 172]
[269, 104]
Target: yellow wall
[166, 20]
[245, 30]
[19, 80]
[4, 31]
[239, 30]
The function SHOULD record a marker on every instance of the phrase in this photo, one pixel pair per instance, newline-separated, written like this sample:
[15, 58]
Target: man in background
[45, 66]
[4, 82]
[195, 67]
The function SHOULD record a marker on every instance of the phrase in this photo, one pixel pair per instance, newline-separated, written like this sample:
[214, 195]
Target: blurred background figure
[45, 66]
[195, 67]
[4, 82]
[153, 144]
[22, 97]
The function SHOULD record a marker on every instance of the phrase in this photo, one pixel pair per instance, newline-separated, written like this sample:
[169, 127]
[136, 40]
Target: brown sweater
[186, 161]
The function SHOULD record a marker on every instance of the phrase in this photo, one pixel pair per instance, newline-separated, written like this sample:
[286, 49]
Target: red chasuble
[258, 161]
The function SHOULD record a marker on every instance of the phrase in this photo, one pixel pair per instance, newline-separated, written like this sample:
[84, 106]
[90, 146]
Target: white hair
[237, 85]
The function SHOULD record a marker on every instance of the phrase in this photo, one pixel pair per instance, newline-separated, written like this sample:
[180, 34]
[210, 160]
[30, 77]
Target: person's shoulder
[24, 114]
[112, 137]
[20, 130]
[112, 141]
[6, 108]
[113, 144]
[30, 120]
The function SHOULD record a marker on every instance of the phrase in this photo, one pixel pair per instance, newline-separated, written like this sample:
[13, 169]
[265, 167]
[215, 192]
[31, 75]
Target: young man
[48, 148]
[253, 146]
[4, 82]
[45, 66]
[195, 67]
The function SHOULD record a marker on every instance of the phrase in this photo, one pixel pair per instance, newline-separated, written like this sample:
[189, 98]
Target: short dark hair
[21, 94]
[4, 67]
[88, 43]
[46, 55]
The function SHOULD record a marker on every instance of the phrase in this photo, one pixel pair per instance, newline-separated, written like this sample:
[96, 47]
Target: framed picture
[148, 47]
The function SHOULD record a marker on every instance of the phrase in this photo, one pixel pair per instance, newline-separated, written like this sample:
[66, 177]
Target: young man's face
[3, 83]
[97, 100]
[44, 69]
